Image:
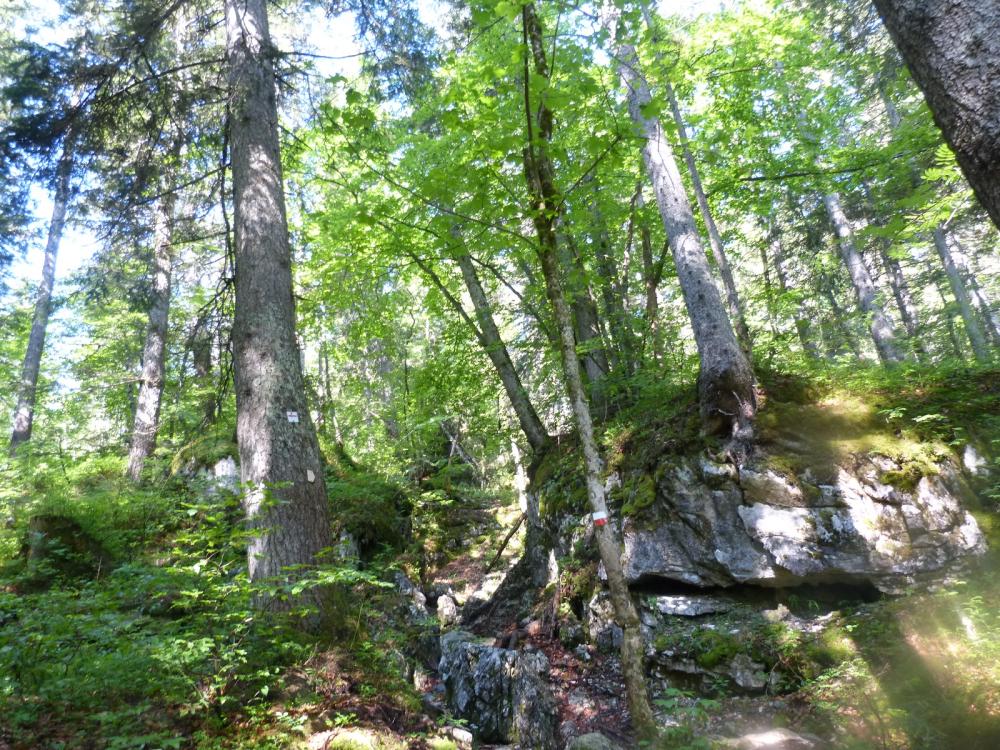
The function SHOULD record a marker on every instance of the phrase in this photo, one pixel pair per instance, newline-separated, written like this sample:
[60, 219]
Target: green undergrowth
[93, 493]
[375, 511]
[916, 415]
[164, 647]
[808, 423]
[921, 672]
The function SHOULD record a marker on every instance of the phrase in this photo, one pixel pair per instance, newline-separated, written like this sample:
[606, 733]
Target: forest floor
[161, 649]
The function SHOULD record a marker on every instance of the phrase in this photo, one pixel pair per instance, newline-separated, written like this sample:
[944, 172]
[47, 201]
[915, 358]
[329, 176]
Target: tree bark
[24, 413]
[491, 341]
[894, 271]
[864, 288]
[147, 410]
[972, 327]
[285, 493]
[802, 326]
[540, 177]
[904, 298]
[587, 324]
[933, 271]
[650, 282]
[840, 323]
[985, 309]
[201, 344]
[733, 304]
[968, 275]
[725, 381]
[952, 49]
[613, 297]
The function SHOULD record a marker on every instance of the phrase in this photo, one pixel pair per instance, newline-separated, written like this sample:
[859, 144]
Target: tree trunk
[613, 297]
[972, 328]
[489, 337]
[285, 493]
[894, 271]
[864, 287]
[985, 309]
[968, 275]
[147, 411]
[952, 49]
[202, 342]
[933, 271]
[24, 413]
[772, 317]
[650, 282]
[904, 298]
[726, 380]
[802, 326]
[733, 304]
[840, 321]
[594, 355]
[540, 178]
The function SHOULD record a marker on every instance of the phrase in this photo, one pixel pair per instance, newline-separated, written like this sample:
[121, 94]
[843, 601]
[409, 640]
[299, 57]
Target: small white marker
[293, 416]
[310, 476]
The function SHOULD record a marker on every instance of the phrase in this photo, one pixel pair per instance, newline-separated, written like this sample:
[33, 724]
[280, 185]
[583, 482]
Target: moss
[712, 647]
[639, 493]
[909, 476]
[831, 647]
[817, 438]
[578, 581]
[559, 482]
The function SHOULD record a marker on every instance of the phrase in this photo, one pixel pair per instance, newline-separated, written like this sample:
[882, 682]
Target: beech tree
[726, 381]
[24, 414]
[864, 288]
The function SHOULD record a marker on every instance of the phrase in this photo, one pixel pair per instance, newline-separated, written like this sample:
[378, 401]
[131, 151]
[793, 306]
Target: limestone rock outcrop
[868, 521]
[501, 692]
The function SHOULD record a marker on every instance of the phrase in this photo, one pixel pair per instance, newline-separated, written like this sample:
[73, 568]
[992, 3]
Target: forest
[447, 374]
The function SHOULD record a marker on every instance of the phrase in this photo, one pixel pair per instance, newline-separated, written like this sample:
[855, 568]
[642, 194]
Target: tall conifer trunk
[972, 327]
[24, 412]
[952, 49]
[147, 410]
[968, 274]
[284, 491]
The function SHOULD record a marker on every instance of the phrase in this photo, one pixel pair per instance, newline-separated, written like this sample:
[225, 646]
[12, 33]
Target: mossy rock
[374, 511]
[909, 475]
[559, 482]
[817, 438]
[712, 648]
[639, 493]
[205, 451]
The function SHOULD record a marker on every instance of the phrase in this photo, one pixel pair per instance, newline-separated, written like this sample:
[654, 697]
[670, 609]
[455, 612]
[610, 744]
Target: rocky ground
[835, 592]
[791, 639]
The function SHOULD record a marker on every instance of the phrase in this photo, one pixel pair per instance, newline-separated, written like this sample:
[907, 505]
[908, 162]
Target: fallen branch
[503, 544]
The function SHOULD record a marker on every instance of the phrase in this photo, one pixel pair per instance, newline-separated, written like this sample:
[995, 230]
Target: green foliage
[374, 511]
[689, 713]
[166, 638]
